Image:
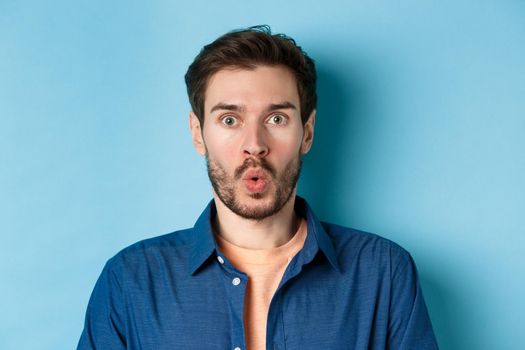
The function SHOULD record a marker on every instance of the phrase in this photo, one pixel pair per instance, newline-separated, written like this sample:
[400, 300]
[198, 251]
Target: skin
[252, 122]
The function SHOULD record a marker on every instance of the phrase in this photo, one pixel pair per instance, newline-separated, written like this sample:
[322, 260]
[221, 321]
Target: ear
[196, 134]
[308, 134]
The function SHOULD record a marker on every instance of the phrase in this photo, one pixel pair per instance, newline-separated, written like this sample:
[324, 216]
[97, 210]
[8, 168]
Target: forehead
[251, 87]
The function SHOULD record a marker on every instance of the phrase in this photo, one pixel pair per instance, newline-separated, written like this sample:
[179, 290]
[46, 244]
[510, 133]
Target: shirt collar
[317, 238]
[204, 245]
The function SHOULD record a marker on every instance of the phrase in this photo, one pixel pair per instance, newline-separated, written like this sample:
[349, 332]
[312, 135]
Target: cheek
[219, 147]
[288, 143]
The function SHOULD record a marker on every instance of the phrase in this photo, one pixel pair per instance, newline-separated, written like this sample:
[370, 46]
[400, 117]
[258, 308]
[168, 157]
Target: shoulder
[352, 245]
[145, 252]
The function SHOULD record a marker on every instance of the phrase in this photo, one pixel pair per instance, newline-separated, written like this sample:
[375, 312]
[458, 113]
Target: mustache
[252, 162]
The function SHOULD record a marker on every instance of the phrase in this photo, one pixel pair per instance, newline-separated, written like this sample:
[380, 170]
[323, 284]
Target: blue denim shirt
[345, 289]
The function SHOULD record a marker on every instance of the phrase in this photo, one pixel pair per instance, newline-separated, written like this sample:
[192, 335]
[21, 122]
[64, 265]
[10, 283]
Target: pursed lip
[255, 180]
[251, 174]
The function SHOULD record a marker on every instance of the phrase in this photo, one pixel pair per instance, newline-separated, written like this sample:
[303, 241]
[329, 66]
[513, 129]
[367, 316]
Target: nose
[255, 141]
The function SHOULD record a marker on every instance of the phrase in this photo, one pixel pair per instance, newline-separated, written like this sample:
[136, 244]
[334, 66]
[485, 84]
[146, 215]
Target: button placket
[235, 282]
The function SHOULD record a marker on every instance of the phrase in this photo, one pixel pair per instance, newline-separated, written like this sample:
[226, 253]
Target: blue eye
[277, 119]
[229, 120]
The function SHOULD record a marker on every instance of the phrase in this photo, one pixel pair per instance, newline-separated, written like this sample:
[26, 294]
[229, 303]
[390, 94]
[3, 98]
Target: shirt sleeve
[409, 322]
[103, 326]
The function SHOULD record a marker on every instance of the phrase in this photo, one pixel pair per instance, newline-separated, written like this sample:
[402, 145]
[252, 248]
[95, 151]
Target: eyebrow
[241, 108]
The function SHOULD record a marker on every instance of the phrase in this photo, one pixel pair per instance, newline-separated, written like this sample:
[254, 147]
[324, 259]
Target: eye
[277, 119]
[229, 120]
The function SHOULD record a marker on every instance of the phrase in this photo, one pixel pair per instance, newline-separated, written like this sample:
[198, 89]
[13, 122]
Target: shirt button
[236, 281]
[221, 260]
[237, 348]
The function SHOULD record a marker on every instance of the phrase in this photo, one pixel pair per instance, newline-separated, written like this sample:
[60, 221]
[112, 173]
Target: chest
[314, 309]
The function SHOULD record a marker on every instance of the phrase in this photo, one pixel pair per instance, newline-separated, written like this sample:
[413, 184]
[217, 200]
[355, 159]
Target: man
[258, 270]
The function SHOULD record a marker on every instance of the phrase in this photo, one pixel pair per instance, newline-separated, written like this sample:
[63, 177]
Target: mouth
[255, 180]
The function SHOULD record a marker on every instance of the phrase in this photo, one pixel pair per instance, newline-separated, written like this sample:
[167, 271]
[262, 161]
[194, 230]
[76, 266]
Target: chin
[258, 195]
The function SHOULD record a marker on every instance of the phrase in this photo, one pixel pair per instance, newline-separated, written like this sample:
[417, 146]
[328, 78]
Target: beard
[282, 187]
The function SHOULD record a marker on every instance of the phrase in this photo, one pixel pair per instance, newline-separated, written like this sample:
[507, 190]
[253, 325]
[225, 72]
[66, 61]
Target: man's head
[248, 118]
[247, 49]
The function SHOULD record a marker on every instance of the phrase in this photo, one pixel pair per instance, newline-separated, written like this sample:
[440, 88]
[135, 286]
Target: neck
[270, 232]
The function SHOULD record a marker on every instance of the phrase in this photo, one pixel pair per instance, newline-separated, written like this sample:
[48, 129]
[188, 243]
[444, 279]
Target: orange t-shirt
[265, 268]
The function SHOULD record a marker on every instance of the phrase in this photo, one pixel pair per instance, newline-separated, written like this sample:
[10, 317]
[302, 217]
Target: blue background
[420, 138]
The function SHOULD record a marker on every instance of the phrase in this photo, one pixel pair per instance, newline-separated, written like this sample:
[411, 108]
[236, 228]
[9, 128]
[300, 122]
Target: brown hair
[248, 48]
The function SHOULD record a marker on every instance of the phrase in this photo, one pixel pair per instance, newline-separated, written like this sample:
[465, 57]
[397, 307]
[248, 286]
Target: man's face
[253, 138]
